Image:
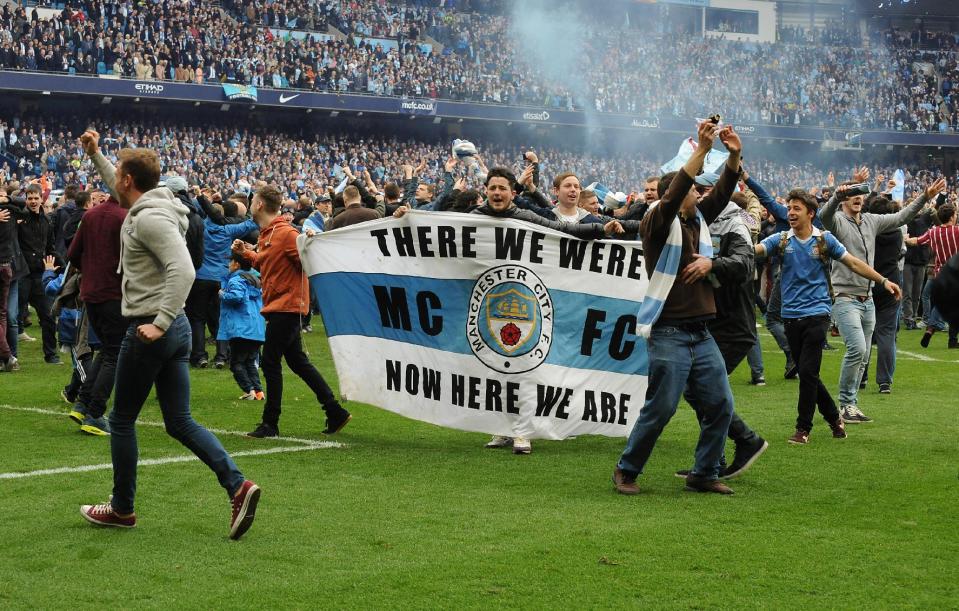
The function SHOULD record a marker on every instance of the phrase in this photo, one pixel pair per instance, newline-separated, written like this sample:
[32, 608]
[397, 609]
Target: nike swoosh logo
[286, 98]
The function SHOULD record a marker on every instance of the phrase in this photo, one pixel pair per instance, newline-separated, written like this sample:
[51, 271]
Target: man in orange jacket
[286, 298]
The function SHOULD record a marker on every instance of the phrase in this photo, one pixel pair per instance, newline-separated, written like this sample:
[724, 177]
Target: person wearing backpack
[241, 324]
[807, 303]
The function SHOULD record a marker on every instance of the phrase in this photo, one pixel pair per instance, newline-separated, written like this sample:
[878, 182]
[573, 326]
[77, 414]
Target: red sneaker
[103, 515]
[244, 509]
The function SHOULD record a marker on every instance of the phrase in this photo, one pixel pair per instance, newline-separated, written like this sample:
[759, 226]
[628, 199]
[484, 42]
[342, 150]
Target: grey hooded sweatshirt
[860, 240]
[154, 261]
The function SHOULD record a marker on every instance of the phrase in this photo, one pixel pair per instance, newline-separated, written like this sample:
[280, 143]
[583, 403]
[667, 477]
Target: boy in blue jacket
[241, 299]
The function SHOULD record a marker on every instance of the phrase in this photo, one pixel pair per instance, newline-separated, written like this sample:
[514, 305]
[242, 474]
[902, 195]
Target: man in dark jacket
[354, 212]
[61, 218]
[8, 236]
[917, 260]
[889, 247]
[35, 235]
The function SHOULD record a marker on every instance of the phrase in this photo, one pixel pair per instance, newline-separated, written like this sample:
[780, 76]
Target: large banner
[484, 324]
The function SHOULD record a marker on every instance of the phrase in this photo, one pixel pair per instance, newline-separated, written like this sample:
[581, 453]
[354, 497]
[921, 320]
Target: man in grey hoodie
[854, 310]
[157, 274]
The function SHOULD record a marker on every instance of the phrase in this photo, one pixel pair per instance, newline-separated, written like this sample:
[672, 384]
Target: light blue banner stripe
[349, 306]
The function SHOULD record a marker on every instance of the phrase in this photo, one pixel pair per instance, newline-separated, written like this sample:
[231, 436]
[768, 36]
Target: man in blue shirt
[807, 303]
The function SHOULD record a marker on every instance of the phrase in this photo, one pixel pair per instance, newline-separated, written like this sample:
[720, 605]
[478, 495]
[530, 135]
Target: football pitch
[393, 513]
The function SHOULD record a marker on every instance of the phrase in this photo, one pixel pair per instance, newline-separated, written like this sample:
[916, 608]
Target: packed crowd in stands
[227, 154]
[810, 78]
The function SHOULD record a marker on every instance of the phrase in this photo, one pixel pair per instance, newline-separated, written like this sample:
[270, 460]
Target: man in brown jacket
[684, 359]
[286, 298]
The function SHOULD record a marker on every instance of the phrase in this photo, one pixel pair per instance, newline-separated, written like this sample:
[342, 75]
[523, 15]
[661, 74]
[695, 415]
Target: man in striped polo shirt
[944, 241]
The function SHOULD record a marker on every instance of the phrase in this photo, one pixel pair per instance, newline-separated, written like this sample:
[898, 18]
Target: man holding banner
[513, 316]
[683, 356]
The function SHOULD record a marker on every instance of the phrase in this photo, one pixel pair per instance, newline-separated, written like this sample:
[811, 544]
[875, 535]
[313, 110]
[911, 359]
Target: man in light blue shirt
[807, 302]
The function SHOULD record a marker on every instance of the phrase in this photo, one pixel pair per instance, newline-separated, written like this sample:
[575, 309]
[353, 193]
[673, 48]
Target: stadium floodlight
[335, 113]
[106, 100]
[224, 107]
[359, 114]
[136, 99]
[437, 120]
[44, 93]
[196, 103]
[309, 110]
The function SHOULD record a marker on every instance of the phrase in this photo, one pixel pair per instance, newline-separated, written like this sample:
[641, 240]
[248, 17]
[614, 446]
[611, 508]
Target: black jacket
[888, 253]
[194, 231]
[586, 231]
[734, 327]
[35, 234]
[919, 255]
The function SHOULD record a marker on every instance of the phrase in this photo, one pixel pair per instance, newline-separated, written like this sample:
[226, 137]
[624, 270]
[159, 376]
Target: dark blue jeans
[243, 356]
[683, 359]
[165, 363]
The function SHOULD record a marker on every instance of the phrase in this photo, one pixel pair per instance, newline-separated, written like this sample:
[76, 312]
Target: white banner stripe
[50, 412]
[353, 249]
[169, 460]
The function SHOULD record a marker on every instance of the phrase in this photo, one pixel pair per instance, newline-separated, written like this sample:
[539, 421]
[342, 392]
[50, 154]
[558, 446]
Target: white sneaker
[250, 396]
[11, 364]
[498, 441]
[23, 337]
[521, 445]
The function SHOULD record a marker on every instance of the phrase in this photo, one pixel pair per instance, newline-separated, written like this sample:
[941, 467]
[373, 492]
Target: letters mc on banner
[484, 324]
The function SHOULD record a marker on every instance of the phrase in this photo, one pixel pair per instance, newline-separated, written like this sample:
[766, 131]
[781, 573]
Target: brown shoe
[800, 437]
[624, 483]
[838, 428]
[700, 484]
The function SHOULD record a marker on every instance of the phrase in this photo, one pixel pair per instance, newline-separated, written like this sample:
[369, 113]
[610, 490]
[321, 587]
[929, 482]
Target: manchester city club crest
[510, 319]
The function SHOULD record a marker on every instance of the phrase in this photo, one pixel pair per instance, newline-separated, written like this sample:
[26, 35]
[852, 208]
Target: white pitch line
[918, 357]
[167, 461]
[51, 412]
[907, 355]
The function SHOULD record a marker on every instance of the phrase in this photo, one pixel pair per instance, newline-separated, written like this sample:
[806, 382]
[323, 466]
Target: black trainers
[758, 381]
[219, 363]
[885, 388]
[264, 430]
[792, 370]
[746, 455]
[336, 420]
[924, 342]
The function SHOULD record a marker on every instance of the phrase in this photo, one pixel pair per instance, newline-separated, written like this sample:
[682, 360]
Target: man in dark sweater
[683, 356]
[95, 251]
[354, 211]
[35, 234]
[8, 235]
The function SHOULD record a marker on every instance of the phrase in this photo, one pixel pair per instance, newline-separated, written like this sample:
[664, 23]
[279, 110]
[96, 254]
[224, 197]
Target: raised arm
[657, 220]
[90, 140]
[769, 202]
[890, 221]
[713, 204]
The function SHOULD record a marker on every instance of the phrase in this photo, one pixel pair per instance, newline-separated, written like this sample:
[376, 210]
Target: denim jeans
[856, 321]
[165, 363]
[243, 356]
[683, 359]
[913, 277]
[755, 359]
[929, 315]
[806, 336]
[887, 325]
[774, 321]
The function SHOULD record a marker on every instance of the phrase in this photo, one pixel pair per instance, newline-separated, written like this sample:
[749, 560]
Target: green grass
[411, 515]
